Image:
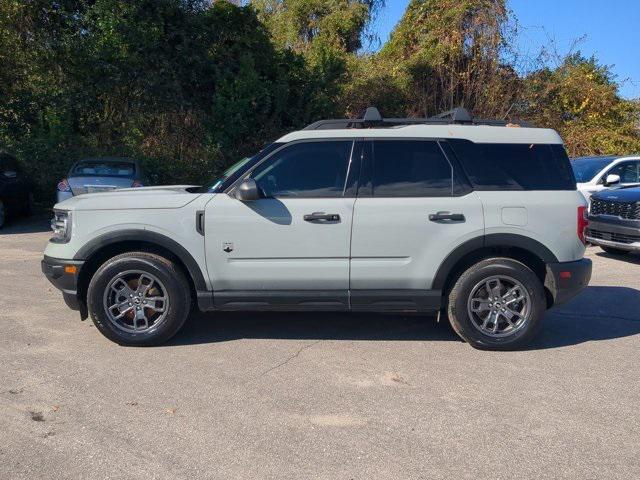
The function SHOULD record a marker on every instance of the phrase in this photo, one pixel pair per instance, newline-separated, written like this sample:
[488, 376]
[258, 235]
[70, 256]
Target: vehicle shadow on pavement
[598, 313]
[35, 224]
[226, 326]
[629, 258]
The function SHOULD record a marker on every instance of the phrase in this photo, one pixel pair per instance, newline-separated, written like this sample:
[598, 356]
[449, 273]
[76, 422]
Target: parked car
[16, 189]
[614, 220]
[102, 174]
[478, 222]
[594, 174]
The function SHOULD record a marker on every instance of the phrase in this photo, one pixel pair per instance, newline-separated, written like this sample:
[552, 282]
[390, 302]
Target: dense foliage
[190, 85]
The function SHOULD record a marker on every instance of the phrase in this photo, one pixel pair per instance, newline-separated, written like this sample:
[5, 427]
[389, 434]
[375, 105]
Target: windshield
[230, 174]
[96, 168]
[227, 173]
[585, 169]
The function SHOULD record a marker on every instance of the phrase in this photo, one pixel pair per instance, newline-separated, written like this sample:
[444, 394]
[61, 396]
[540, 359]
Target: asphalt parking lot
[324, 396]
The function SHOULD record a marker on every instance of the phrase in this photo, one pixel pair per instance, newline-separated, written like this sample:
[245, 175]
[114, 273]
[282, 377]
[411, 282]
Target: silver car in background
[100, 174]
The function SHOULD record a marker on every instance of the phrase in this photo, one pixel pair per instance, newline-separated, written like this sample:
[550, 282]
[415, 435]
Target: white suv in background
[594, 174]
[472, 219]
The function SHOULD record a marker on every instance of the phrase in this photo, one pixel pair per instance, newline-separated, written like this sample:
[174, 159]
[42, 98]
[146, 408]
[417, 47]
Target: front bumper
[566, 279]
[615, 232]
[64, 274]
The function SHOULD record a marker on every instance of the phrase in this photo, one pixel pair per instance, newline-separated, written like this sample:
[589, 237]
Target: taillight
[64, 186]
[136, 184]
[583, 222]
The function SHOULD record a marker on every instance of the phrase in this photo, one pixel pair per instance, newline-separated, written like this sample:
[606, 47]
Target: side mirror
[248, 191]
[611, 179]
[10, 173]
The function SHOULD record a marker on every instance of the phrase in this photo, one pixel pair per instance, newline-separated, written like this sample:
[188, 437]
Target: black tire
[28, 207]
[173, 281]
[3, 213]
[614, 251]
[458, 311]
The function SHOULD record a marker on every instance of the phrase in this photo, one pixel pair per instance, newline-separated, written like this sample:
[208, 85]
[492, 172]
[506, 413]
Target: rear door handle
[452, 217]
[322, 217]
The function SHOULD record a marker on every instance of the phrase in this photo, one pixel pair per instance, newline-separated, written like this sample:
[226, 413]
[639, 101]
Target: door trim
[321, 300]
[266, 300]
[395, 300]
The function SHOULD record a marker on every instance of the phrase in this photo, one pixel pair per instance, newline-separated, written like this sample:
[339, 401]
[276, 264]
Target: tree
[302, 25]
[449, 53]
[580, 99]
[187, 85]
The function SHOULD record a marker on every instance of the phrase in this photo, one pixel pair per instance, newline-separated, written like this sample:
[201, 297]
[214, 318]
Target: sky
[610, 30]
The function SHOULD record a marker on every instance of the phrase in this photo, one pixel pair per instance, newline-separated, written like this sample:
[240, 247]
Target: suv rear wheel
[497, 304]
[139, 298]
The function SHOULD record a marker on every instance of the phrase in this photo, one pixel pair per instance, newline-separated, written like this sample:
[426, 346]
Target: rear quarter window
[515, 166]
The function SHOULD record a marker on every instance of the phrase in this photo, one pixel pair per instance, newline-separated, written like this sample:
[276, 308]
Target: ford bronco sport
[468, 218]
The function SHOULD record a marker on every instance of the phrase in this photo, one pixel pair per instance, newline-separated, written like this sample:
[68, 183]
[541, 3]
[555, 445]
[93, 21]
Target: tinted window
[236, 170]
[585, 169]
[410, 169]
[628, 172]
[8, 163]
[309, 169]
[498, 166]
[92, 168]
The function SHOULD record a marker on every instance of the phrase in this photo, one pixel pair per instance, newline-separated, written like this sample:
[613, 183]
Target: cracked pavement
[323, 396]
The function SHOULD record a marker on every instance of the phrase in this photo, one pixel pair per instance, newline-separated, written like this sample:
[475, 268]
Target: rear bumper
[607, 231]
[566, 279]
[63, 274]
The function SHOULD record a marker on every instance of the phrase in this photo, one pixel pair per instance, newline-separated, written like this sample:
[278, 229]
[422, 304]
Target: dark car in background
[614, 220]
[16, 189]
[100, 174]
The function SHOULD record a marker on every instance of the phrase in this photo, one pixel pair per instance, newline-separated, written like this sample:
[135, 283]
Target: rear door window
[505, 166]
[409, 168]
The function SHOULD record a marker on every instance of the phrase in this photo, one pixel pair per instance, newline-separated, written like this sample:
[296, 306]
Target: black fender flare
[492, 240]
[135, 235]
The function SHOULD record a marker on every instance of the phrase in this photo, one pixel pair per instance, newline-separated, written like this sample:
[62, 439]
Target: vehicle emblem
[227, 247]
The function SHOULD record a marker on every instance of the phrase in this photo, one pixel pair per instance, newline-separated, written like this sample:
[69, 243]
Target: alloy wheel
[136, 301]
[499, 306]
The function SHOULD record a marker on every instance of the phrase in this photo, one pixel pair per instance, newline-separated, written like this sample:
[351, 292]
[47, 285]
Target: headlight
[61, 226]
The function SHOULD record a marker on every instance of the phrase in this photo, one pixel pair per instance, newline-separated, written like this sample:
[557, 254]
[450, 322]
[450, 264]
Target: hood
[620, 194]
[171, 196]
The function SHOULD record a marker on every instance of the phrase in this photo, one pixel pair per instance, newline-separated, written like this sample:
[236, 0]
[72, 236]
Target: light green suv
[476, 220]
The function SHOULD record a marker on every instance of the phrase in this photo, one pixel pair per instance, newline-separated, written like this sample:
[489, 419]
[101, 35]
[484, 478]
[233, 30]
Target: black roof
[373, 119]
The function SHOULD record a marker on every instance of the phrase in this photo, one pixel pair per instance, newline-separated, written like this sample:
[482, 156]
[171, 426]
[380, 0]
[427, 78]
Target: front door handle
[322, 217]
[452, 217]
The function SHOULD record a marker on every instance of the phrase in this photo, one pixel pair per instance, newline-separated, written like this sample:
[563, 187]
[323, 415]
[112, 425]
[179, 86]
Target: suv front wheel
[139, 298]
[497, 304]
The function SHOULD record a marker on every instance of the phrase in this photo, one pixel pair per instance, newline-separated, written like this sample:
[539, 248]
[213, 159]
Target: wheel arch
[106, 246]
[518, 247]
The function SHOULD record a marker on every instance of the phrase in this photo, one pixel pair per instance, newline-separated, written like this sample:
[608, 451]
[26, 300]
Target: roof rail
[372, 118]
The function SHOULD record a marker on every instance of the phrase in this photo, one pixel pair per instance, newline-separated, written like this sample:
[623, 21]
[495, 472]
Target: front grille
[628, 210]
[613, 237]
